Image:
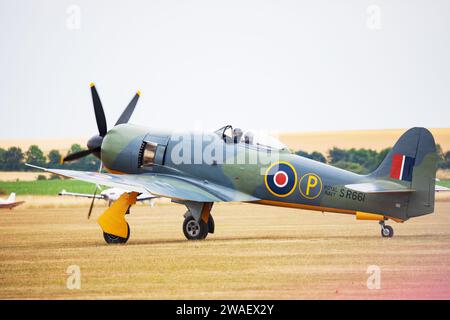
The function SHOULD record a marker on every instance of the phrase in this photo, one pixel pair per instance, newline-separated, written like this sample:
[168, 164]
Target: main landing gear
[193, 229]
[115, 228]
[112, 239]
[198, 221]
[197, 230]
[386, 231]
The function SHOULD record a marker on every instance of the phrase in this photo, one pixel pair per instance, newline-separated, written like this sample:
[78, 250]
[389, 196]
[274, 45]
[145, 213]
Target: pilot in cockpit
[237, 135]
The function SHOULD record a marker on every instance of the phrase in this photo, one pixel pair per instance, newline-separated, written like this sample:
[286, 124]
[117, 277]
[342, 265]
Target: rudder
[412, 162]
[12, 197]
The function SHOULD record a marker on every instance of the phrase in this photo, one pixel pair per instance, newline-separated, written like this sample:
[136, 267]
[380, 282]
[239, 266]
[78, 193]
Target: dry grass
[443, 174]
[256, 252]
[443, 196]
[55, 202]
[21, 176]
[48, 202]
[374, 139]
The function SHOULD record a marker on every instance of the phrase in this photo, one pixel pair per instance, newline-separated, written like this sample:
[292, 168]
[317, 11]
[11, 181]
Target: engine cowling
[120, 148]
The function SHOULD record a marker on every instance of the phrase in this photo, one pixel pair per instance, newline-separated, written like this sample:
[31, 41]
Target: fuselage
[275, 176]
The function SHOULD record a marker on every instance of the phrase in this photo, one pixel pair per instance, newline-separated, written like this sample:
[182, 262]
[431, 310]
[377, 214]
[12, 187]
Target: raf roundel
[281, 179]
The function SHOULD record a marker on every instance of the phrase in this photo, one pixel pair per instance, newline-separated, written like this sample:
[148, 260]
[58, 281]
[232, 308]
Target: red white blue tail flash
[402, 167]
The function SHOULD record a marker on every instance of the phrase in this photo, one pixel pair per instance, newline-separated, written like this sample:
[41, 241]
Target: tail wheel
[387, 232]
[112, 239]
[193, 229]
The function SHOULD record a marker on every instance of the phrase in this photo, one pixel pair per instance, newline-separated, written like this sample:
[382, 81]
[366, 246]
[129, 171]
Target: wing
[18, 203]
[145, 197]
[163, 185]
[438, 188]
[378, 187]
[11, 205]
[82, 195]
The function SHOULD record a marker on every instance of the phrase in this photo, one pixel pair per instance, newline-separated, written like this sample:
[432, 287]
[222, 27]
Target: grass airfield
[257, 252]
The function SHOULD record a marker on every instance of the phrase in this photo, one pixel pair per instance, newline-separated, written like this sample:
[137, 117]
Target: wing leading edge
[164, 185]
[11, 205]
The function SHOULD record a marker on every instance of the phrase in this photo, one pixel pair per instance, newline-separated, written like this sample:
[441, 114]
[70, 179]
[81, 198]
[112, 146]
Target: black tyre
[211, 224]
[112, 239]
[193, 229]
[387, 232]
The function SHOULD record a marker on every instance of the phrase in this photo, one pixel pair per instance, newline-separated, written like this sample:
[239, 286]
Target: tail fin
[12, 197]
[412, 162]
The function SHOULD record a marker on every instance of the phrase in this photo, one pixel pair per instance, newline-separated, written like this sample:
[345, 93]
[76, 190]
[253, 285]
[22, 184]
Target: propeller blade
[99, 113]
[79, 154]
[126, 114]
[92, 203]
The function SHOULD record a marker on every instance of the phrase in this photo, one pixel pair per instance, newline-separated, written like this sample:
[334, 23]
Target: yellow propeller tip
[139, 93]
[92, 84]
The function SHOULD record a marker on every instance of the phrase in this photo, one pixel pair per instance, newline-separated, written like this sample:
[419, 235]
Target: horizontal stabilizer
[379, 187]
[440, 188]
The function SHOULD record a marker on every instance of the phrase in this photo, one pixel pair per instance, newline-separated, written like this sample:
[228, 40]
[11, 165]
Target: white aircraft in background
[10, 202]
[110, 195]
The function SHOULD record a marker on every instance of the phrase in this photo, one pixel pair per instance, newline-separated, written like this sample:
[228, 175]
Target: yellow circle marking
[308, 186]
[295, 179]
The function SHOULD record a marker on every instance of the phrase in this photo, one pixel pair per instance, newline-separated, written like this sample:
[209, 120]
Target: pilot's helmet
[237, 134]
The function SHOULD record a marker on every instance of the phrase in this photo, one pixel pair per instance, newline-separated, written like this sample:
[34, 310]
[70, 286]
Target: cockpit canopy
[250, 138]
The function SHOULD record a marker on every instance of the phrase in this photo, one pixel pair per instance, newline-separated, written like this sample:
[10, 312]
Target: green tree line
[356, 160]
[363, 161]
[14, 159]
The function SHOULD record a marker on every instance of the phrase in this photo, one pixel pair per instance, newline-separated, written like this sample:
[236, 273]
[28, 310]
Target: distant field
[63, 145]
[443, 174]
[45, 187]
[371, 139]
[21, 175]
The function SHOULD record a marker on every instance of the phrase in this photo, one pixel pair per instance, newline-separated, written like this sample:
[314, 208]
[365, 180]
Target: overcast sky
[274, 65]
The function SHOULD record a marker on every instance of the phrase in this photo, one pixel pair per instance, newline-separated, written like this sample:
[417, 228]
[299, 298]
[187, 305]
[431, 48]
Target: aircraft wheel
[112, 239]
[193, 229]
[211, 224]
[387, 232]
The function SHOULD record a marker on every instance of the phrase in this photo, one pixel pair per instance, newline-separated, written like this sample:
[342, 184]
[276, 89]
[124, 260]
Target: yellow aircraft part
[359, 214]
[113, 221]
[368, 216]
[205, 211]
